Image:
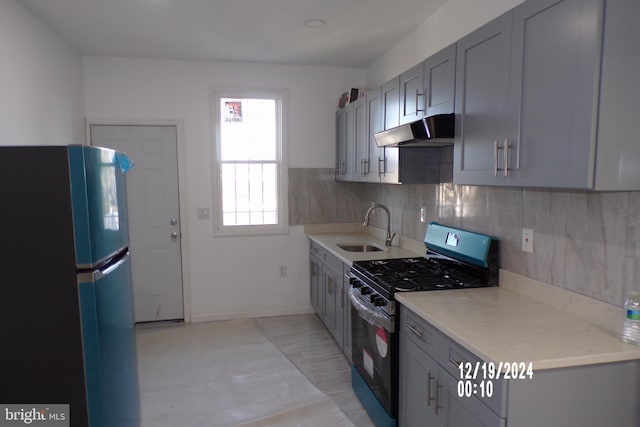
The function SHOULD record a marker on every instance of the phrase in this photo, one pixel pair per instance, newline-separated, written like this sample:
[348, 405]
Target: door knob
[173, 221]
[174, 235]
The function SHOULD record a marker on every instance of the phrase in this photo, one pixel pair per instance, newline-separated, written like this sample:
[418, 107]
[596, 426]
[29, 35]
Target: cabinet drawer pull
[415, 331]
[455, 363]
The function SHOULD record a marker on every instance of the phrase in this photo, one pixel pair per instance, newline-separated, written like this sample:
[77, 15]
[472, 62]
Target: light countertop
[522, 320]
[499, 324]
[329, 238]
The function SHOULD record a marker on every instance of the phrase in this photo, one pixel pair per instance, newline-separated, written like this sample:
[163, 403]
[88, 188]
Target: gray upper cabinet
[350, 124]
[482, 72]
[545, 97]
[374, 125]
[440, 81]
[412, 94]
[555, 61]
[360, 139]
[351, 131]
[389, 158]
[341, 145]
[429, 87]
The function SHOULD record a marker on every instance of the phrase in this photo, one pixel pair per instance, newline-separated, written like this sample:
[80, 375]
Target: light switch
[203, 213]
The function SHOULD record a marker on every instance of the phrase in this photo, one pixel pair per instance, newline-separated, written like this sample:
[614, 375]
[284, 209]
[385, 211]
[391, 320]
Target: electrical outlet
[423, 214]
[283, 271]
[527, 240]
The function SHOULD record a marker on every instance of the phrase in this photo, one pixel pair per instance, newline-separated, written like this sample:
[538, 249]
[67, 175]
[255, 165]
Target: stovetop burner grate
[416, 274]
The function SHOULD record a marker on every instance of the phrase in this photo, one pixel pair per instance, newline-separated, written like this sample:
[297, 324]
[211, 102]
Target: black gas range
[454, 259]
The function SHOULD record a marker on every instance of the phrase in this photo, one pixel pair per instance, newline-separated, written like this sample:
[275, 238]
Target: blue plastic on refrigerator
[124, 162]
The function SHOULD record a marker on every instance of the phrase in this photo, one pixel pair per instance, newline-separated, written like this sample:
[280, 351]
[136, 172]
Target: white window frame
[281, 98]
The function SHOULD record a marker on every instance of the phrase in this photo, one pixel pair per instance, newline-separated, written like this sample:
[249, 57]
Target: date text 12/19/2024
[476, 378]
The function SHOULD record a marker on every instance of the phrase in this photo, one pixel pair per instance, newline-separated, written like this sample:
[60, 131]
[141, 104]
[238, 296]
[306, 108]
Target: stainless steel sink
[359, 247]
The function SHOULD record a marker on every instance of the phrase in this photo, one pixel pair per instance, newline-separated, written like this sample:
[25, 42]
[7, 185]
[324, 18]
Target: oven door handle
[370, 313]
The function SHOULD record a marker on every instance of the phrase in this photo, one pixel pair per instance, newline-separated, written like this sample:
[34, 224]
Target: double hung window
[251, 170]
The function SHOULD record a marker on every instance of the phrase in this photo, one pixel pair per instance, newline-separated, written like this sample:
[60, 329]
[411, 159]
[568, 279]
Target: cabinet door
[482, 72]
[315, 296]
[412, 94]
[464, 411]
[390, 92]
[439, 82]
[555, 60]
[346, 309]
[361, 139]
[389, 163]
[375, 166]
[350, 113]
[416, 386]
[332, 281]
[340, 304]
[341, 145]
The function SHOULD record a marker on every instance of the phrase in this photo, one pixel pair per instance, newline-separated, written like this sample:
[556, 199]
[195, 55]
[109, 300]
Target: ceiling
[356, 34]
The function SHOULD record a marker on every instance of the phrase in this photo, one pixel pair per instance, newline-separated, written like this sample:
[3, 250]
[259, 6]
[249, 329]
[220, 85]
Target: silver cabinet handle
[173, 221]
[174, 235]
[429, 379]
[437, 405]
[418, 94]
[414, 330]
[495, 158]
[506, 156]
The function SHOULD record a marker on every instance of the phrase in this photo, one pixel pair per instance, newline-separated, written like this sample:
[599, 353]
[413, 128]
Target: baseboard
[248, 314]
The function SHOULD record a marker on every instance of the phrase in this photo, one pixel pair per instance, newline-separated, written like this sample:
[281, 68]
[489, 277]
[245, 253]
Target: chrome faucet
[365, 223]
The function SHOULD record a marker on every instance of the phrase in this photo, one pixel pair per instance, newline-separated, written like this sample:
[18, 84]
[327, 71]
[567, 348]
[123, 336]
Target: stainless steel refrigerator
[66, 301]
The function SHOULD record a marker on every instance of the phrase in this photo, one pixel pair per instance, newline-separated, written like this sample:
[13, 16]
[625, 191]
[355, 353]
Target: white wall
[41, 100]
[451, 22]
[227, 276]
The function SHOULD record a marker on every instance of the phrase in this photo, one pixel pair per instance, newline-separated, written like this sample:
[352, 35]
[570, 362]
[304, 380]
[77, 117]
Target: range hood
[431, 131]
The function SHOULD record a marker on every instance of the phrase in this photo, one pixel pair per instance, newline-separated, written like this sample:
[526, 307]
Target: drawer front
[333, 261]
[420, 332]
[454, 354]
[317, 250]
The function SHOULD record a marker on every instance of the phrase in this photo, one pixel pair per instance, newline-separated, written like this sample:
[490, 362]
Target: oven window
[375, 357]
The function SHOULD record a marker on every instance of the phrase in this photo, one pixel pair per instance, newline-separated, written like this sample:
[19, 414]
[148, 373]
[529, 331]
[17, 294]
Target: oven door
[375, 350]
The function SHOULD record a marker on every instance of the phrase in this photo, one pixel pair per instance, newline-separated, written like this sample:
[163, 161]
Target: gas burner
[379, 262]
[411, 260]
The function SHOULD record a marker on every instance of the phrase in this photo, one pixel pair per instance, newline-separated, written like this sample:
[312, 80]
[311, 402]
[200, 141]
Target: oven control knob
[365, 291]
[379, 302]
[355, 282]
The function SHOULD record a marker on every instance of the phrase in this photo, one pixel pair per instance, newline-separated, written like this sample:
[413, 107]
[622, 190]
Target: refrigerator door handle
[115, 265]
[95, 275]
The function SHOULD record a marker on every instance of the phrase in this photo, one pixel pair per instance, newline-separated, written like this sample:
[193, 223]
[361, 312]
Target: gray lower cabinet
[429, 394]
[545, 94]
[315, 284]
[328, 295]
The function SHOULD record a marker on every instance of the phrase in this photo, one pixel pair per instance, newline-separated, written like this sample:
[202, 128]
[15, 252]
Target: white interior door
[154, 216]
